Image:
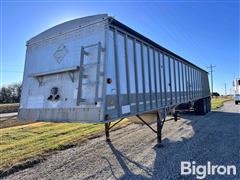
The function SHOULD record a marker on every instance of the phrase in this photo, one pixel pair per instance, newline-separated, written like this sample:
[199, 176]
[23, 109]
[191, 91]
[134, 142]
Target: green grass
[218, 102]
[8, 108]
[21, 143]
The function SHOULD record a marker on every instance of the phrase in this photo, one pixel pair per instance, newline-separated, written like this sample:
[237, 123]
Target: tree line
[10, 93]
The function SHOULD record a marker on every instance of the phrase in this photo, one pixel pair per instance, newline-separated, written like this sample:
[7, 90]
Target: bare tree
[11, 93]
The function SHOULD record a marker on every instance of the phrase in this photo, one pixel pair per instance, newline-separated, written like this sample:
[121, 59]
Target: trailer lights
[57, 97]
[109, 80]
[50, 97]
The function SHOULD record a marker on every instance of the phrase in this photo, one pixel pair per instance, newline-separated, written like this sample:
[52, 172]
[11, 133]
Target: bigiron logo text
[209, 169]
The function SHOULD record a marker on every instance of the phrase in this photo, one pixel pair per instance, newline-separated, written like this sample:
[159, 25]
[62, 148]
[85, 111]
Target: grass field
[33, 141]
[8, 108]
[218, 102]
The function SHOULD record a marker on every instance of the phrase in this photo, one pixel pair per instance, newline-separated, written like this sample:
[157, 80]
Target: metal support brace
[71, 76]
[141, 119]
[40, 80]
[160, 123]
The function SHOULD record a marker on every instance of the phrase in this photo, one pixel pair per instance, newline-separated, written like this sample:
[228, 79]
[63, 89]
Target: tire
[236, 102]
[197, 107]
[201, 107]
[209, 104]
[205, 106]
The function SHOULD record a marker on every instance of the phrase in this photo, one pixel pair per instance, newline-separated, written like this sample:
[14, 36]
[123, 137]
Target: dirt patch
[11, 121]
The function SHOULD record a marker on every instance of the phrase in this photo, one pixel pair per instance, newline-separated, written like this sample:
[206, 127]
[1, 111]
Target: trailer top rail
[117, 23]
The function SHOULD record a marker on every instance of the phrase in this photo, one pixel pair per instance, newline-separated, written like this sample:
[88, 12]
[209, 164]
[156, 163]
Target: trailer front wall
[144, 78]
[80, 101]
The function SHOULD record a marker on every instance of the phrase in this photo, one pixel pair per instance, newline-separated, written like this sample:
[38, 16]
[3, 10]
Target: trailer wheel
[208, 104]
[205, 106]
[201, 107]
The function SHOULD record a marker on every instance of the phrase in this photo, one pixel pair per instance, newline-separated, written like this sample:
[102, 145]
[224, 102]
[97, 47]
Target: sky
[203, 32]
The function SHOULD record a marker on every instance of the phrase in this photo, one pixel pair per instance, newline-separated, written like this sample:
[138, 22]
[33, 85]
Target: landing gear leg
[175, 116]
[160, 123]
[159, 129]
[107, 128]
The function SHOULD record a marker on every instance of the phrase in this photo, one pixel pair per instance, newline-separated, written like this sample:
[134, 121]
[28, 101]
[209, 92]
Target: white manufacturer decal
[125, 109]
[60, 53]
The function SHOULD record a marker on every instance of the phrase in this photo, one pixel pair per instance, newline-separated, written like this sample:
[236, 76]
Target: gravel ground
[133, 155]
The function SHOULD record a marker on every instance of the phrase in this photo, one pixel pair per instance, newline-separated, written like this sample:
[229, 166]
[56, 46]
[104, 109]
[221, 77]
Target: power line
[211, 71]
[225, 86]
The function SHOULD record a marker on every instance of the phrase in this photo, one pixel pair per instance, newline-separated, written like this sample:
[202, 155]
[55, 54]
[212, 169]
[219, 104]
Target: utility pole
[225, 86]
[211, 71]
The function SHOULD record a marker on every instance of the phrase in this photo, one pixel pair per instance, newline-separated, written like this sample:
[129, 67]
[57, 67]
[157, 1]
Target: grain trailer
[95, 69]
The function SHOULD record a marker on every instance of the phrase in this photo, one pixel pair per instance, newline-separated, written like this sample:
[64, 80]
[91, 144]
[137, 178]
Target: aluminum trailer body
[236, 87]
[97, 70]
